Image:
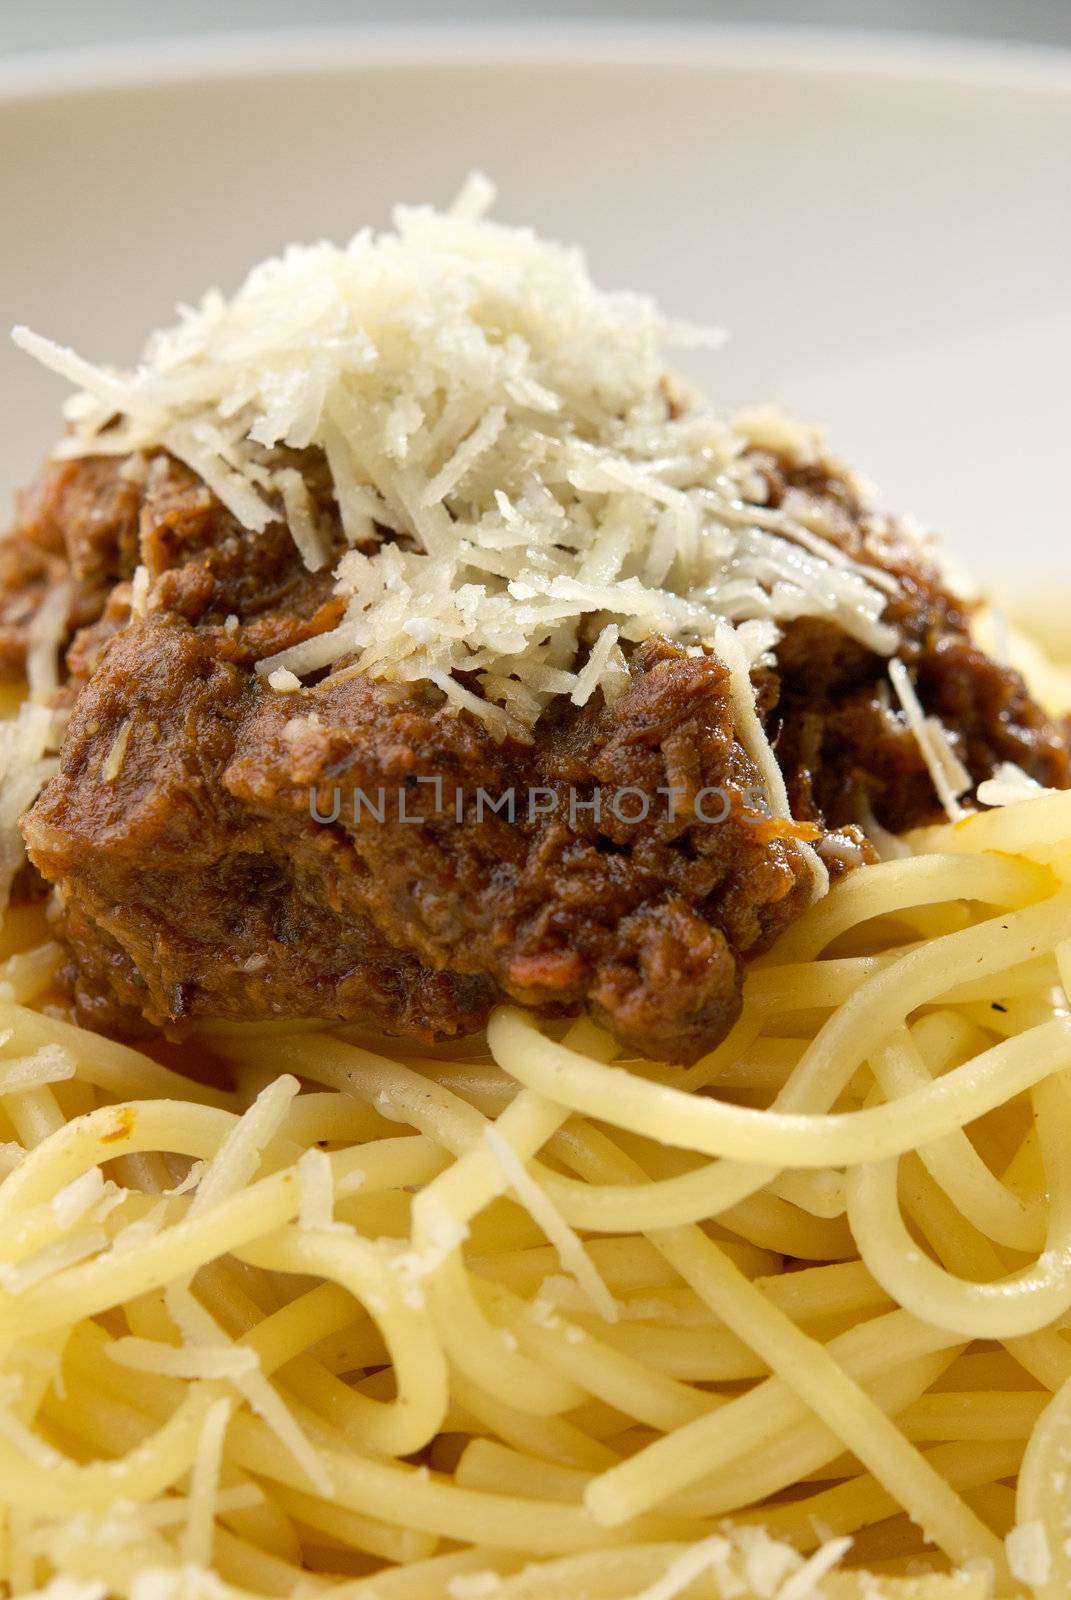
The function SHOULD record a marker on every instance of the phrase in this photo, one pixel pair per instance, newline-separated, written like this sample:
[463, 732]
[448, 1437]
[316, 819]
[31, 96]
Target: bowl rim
[597, 45]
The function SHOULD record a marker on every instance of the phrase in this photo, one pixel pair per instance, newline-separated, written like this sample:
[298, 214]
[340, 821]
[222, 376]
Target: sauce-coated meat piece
[195, 879]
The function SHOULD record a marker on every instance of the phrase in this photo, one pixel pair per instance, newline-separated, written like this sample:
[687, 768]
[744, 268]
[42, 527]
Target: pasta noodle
[540, 1323]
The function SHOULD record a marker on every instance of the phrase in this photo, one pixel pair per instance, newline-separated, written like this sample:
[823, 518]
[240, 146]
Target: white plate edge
[688, 46]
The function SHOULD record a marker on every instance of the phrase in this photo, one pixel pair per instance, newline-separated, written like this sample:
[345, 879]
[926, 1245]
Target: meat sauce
[348, 851]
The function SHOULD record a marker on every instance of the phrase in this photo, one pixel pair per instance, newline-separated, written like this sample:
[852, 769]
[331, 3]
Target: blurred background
[864, 192]
[43, 24]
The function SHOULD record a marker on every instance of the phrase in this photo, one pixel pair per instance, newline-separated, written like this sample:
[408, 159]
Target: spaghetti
[536, 1321]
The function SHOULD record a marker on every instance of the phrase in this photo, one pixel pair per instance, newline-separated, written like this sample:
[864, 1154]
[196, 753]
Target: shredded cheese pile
[520, 494]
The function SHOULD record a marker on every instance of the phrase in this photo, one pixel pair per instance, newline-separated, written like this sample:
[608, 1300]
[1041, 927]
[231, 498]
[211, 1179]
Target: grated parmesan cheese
[316, 1190]
[50, 1064]
[473, 1585]
[314, 545]
[139, 590]
[766, 1562]
[441, 1233]
[238, 1157]
[802, 1585]
[749, 730]
[283, 681]
[595, 669]
[138, 1233]
[189, 1182]
[767, 428]
[707, 1555]
[201, 1332]
[44, 639]
[229, 1362]
[574, 1258]
[70, 1204]
[63, 1587]
[298, 728]
[1008, 786]
[53, 1258]
[950, 777]
[1029, 1557]
[746, 1561]
[502, 454]
[188, 1582]
[204, 1484]
[113, 764]
[11, 1155]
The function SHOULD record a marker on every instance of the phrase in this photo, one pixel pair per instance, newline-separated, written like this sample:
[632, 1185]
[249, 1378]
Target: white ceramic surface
[883, 227]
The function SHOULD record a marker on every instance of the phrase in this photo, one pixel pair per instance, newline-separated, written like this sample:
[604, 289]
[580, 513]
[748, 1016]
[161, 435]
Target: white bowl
[880, 225]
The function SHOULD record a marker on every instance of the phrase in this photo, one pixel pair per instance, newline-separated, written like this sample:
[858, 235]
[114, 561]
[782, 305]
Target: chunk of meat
[77, 522]
[846, 751]
[841, 741]
[94, 521]
[195, 880]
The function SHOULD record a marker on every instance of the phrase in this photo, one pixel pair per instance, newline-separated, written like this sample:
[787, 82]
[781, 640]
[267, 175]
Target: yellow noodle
[790, 1139]
[893, 886]
[808, 1368]
[1022, 1303]
[151, 1467]
[362, 1267]
[488, 1355]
